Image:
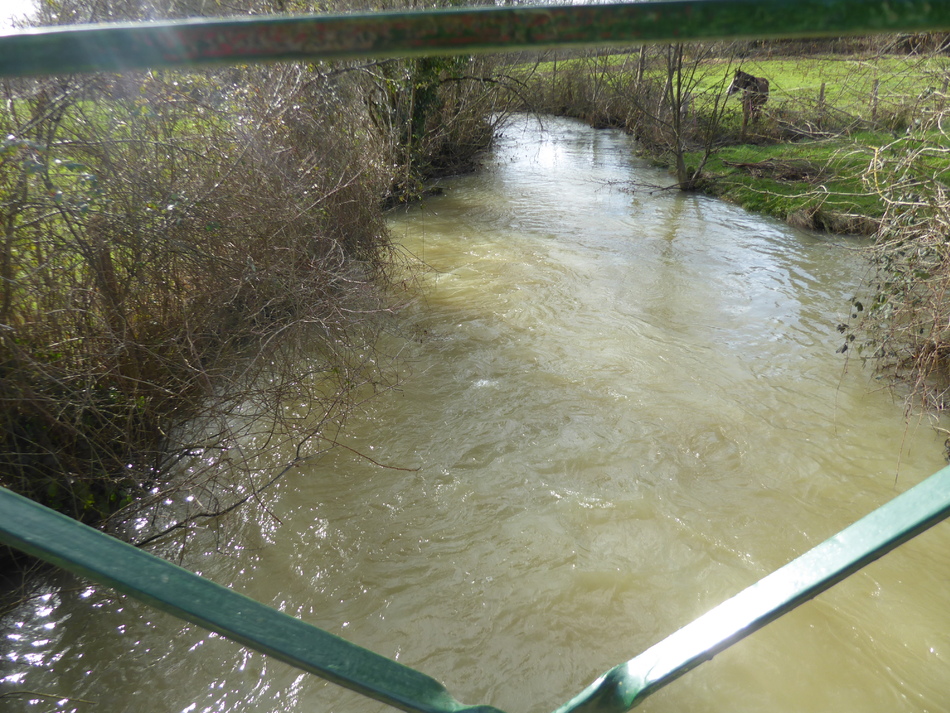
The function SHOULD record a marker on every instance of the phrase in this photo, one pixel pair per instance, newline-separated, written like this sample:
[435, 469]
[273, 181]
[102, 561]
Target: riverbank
[816, 185]
[172, 242]
[813, 155]
[849, 141]
[837, 184]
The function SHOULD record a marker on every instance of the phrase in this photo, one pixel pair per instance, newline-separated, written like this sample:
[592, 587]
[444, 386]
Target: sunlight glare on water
[620, 406]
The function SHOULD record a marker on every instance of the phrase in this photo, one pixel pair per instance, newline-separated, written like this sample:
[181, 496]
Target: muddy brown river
[621, 406]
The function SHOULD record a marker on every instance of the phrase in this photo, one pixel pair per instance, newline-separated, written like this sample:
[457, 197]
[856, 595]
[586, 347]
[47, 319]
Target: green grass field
[813, 184]
[870, 109]
[849, 82]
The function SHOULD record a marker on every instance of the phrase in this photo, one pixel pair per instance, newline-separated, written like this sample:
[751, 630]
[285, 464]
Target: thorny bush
[904, 324]
[159, 232]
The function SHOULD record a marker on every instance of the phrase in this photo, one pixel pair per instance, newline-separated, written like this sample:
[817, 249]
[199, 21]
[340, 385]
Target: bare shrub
[159, 232]
[192, 264]
[435, 113]
[670, 97]
[904, 324]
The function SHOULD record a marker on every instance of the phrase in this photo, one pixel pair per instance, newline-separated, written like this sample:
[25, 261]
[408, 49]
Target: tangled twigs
[906, 326]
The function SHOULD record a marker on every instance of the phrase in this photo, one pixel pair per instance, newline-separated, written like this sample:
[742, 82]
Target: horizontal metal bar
[126, 46]
[901, 519]
[78, 548]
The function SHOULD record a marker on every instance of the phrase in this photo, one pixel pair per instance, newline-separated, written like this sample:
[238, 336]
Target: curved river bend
[624, 406]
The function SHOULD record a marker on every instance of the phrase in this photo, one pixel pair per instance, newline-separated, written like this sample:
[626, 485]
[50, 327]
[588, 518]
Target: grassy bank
[809, 158]
[810, 184]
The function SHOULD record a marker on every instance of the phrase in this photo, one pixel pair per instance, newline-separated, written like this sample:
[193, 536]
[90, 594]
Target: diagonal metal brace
[906, 516]
[78, 548]
[101, 558]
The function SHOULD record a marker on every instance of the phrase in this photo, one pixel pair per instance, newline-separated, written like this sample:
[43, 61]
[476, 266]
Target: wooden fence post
[877, 84]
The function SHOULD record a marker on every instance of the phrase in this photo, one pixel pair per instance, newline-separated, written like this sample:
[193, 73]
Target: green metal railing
[80, 549]
[92, 554]
[121, 47]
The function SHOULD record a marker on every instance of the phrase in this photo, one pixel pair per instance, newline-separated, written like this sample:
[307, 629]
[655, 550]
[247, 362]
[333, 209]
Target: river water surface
[621, 407]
